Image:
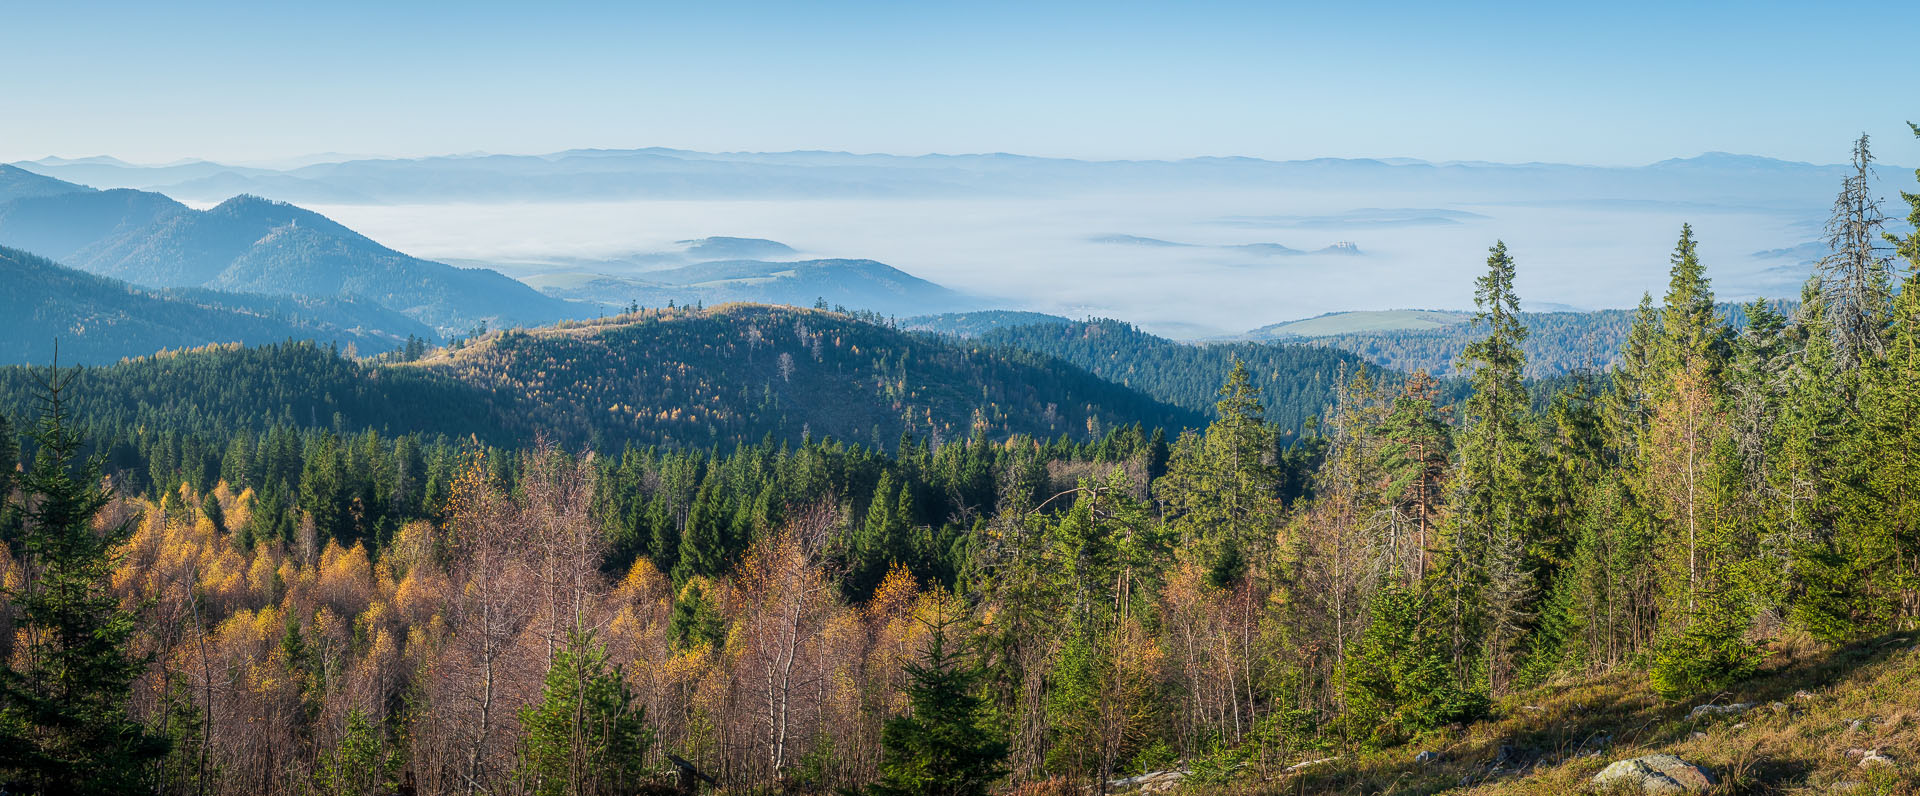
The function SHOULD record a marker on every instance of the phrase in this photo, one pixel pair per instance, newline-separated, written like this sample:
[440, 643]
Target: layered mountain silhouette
[250, 244]
[671, 173]
[860, 284]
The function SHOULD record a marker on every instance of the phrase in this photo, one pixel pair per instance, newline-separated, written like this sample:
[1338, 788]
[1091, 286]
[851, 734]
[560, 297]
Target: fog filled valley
[1187, 249]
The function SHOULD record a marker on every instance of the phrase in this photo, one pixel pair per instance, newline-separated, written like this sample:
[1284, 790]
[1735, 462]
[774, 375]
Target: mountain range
[255, 245]
[671, 173]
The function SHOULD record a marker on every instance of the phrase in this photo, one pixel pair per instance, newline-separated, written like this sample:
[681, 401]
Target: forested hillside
[676, 378]
[98, 320]
[18, 183]
[736, 373]
[1297, 381]
[1558, 343]
[974, 324]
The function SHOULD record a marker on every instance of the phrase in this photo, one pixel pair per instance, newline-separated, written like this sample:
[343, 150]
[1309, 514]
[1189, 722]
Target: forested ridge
[1297, 382]
[1558, 343]
[980, 595]
[735, 373]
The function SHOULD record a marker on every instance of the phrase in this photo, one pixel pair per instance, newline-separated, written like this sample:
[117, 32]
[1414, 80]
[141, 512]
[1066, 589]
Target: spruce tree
[1491, 577]
[1223, 486]
[361, 764]
[703, 547]
[944, 746]
[1695, 481]
[9, 465]
[1869, 568]
[879, 541]
[585, 737]
[323, 491]
[1710, 653]
[695, 619]
[1401, 679]
[1694, 334]
[1807, 455]
[64, 725]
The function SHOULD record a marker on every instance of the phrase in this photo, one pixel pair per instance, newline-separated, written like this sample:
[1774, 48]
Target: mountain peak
[1719, 159]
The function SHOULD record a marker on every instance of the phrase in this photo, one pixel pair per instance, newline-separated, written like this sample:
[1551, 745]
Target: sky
[1621, 83]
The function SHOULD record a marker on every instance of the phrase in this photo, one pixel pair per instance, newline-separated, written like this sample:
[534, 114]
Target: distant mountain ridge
[1264, 249]
[1356, 322]
[670, 173]
[250, 244]
[858, 284]
[737, 372]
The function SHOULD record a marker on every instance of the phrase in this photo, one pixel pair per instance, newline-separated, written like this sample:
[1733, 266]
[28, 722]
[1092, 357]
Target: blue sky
[1607, 83]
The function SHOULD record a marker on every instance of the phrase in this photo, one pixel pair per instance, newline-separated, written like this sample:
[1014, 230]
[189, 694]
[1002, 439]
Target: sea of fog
[1061, 255]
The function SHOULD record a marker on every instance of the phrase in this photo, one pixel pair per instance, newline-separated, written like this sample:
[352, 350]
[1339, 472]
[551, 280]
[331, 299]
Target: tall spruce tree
[1492, 575]
[1869, 566]
[1684, 429]
[1811, 423]
[64, 725]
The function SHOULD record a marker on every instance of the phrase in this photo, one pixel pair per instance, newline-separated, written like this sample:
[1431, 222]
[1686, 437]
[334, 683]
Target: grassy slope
[1558, 736]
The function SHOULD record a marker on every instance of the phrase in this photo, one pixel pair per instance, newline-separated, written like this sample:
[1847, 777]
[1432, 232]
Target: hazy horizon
[1185, 249]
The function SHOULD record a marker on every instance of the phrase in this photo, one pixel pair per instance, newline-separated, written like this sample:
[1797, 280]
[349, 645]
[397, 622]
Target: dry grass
[1814, 706]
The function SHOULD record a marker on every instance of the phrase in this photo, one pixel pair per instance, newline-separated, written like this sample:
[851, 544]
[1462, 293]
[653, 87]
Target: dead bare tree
[1856, 277]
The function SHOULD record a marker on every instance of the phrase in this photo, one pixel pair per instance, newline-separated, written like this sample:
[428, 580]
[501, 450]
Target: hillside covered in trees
[1557, 344]
[1298, 382]
[99, 320]
[1013, 585]
[674, 378]
[735, 373]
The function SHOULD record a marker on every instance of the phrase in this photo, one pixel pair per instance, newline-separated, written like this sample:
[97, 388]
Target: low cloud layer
[1059, 255]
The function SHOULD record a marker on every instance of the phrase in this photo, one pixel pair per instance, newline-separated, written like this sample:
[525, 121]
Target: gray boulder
[1734, 709]
[1655, 774]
